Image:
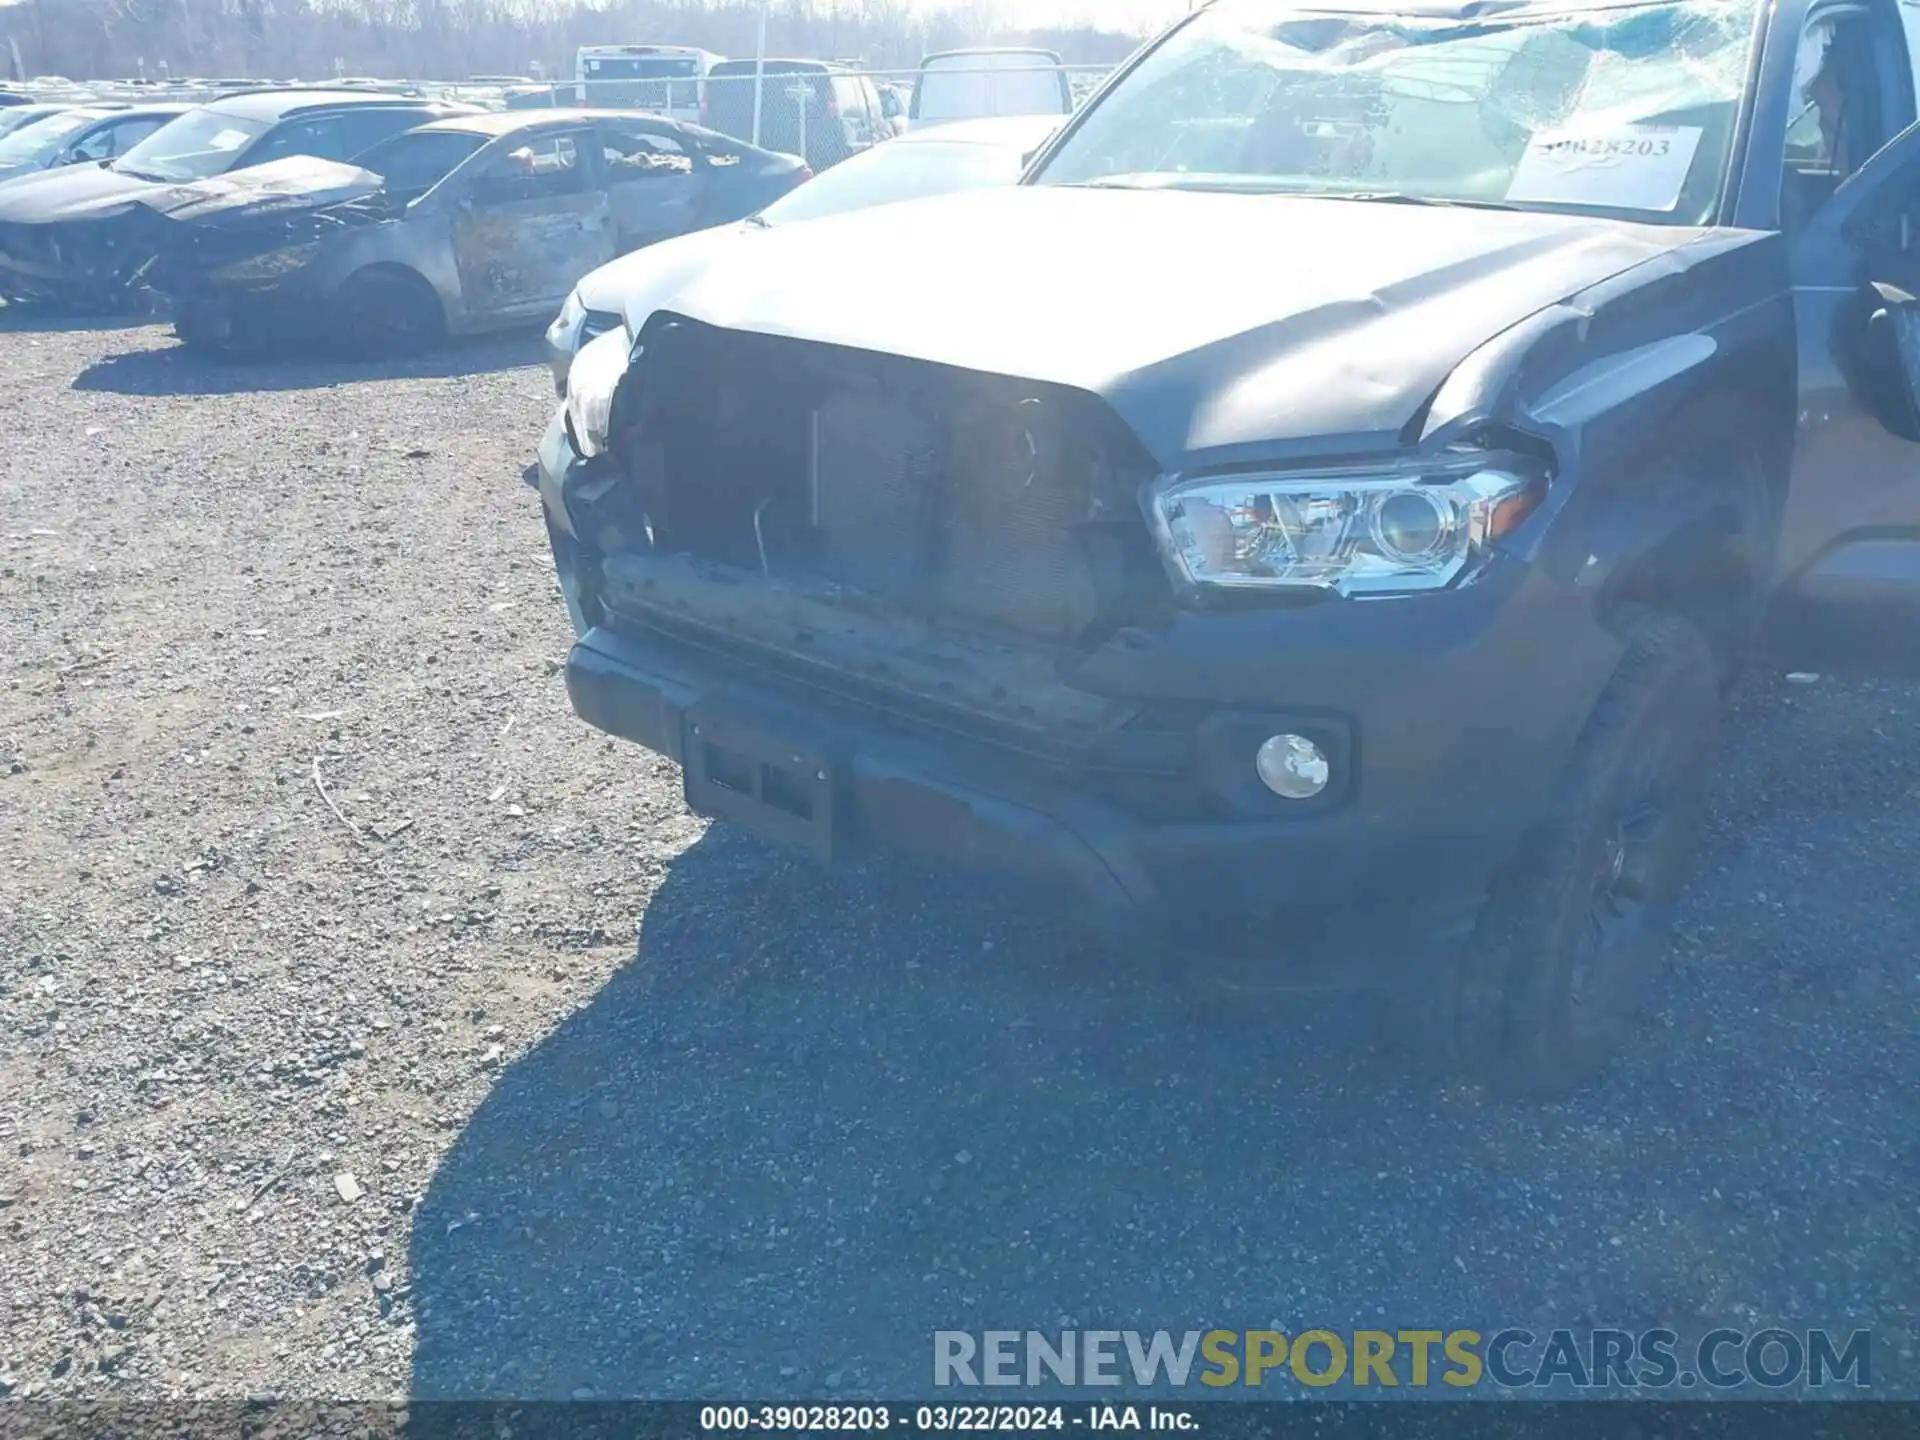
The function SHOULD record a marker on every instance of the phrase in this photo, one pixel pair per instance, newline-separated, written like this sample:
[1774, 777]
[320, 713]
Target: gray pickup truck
[1328, 497]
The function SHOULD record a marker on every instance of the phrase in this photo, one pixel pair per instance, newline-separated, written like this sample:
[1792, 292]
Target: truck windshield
[1626, 111]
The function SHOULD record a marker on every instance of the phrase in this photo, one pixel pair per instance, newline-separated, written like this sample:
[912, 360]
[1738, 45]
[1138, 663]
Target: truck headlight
[564, 332]
[593, 378]
[1381, 531]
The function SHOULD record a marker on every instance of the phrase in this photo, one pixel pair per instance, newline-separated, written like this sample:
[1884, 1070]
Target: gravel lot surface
[491, 1071]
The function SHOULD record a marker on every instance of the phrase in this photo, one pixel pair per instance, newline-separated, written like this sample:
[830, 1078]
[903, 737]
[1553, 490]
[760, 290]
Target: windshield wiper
[1212, 184]
[1396, 197]
[1256, 185]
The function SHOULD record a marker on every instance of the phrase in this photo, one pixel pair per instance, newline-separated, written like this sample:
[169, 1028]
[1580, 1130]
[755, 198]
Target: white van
[668, 80]
[976, 84]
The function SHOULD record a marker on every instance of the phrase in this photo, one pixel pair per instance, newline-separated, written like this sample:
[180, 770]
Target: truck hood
[1211, 323]
[656, 267]
[280, 187]
[73, 192]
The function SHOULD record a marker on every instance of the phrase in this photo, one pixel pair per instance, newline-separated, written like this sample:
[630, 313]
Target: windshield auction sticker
[1623, 167]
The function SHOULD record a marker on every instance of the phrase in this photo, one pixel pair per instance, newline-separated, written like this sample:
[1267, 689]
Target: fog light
[1293, 767]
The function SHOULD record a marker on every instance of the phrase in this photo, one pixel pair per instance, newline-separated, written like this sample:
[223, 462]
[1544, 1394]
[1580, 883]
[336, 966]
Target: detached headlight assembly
[592, 379]
[1361, 533]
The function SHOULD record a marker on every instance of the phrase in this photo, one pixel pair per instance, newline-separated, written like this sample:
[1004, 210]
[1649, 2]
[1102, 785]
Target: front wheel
[228, 332]
[381, 313]
[1573, 930]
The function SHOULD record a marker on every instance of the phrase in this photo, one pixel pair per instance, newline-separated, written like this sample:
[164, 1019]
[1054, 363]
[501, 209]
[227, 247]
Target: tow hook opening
[786, 790]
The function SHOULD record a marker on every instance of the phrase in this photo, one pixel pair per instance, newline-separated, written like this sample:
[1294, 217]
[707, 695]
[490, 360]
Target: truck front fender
[1666, 395]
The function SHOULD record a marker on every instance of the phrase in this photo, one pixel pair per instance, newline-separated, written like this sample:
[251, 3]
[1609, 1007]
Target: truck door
[532, 219]
[1910, 19]
[1848, 559]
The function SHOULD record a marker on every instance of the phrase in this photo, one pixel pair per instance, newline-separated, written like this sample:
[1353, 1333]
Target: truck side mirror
[1890, 356]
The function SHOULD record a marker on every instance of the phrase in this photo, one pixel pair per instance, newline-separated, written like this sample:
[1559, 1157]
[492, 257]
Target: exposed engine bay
[917, 490]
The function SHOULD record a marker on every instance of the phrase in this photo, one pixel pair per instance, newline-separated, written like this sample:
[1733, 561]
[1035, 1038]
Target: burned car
[1321, 506]
[960, 156]
[80, 235]
[460, 226]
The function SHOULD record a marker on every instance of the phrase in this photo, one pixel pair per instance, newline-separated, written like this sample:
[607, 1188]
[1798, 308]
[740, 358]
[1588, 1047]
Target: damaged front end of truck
[1225, 587]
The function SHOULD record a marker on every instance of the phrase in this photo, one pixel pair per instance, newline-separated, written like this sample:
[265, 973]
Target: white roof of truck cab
[991, 52]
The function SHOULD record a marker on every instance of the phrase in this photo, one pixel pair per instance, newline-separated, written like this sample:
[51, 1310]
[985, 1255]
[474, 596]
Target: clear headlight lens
[564, 332]
[1378, 532]
[270, 266]
[591, 382]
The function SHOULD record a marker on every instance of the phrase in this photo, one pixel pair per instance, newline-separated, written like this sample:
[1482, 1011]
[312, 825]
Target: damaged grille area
[67, 251]
[28, 244]
[68, 258]
[944, 493]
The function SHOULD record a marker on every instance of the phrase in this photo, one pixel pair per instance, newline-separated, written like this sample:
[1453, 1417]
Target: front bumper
[559, 359]
[1454, 717]
[954, 804]
[70, 262]
[1458, 712]
[30, 262]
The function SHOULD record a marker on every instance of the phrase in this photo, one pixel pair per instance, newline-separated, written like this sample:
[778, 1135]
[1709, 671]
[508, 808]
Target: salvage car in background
[1325, 498]
[962, 156]
[667, 80]
[86, 134]
[80, 236]
[813, 107]
[463, 225]
[12, 118]
[972, 84]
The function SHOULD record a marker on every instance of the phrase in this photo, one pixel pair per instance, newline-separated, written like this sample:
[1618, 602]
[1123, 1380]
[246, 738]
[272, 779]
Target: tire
[382, 313]
[1573, 930]
[228, 336]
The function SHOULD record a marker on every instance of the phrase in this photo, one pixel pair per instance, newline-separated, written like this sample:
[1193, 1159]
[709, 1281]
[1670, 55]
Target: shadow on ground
[817, 1119]
[179, 370]
[813, 1117]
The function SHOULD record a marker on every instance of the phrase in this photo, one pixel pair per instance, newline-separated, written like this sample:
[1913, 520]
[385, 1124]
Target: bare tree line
[451, 39]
